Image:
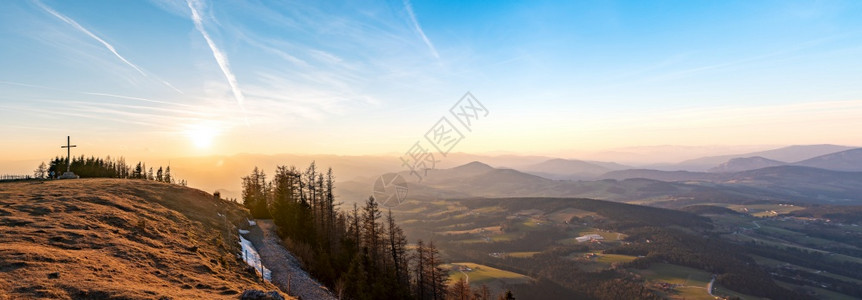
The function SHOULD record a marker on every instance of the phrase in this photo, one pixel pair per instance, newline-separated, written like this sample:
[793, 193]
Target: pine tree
[254, 193]
[397, 249]
[507, 296]
[168, 177]
[331, 214]
[160, 175]
[421, 281]
[371, 231]
[283, 198]
[138, 171]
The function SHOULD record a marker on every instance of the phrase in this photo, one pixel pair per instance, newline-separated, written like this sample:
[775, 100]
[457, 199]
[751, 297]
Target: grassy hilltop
[114, 238]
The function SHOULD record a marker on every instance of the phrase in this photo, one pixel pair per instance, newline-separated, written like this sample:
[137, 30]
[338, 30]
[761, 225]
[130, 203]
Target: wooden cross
[68, 154]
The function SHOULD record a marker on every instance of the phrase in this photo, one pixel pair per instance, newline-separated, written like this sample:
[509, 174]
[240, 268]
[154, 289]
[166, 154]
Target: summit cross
[68, 147]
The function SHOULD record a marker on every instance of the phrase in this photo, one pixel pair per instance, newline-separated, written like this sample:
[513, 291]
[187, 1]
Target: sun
[202, 135]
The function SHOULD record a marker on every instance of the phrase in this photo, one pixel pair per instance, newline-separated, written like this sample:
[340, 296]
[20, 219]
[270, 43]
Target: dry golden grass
[110, 238]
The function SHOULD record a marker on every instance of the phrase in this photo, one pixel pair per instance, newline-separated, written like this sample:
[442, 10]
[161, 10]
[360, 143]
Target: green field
[600, 261]
[614, 258]
[764, 210]
[692, 282]
[482, 274]
[523, 254]
[609, 236]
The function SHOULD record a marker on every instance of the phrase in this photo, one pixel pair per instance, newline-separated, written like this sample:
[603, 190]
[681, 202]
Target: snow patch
[252, 258]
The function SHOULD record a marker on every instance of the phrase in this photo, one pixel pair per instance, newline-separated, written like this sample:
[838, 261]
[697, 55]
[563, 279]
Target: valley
[752, 250]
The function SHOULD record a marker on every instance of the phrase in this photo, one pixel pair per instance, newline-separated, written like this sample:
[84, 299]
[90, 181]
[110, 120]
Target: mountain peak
[474, 166]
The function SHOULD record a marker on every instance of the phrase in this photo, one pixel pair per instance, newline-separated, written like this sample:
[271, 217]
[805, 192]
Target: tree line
[360, 253]
[96, 167]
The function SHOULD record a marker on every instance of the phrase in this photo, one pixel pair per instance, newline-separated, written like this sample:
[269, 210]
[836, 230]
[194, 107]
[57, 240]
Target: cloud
[107, 45]
[137, 98]
[219, 56]
[89, 33]
[419, 30]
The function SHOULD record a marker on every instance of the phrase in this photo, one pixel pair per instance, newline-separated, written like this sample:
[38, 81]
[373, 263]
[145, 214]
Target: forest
[361, 252]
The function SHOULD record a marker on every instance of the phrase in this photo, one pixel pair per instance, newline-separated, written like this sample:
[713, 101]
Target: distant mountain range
[571, 169]
[850, 160]
[650, 187]
[817, 156]
[784, 154]
[223, 173]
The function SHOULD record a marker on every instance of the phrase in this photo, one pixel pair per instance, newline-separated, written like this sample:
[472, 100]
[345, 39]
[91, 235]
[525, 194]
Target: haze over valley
[430, 150]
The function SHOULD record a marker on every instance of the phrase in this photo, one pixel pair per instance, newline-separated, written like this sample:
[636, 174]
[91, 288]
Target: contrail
[418, 28]
[220, 58]
[84, 30]
[103, 42]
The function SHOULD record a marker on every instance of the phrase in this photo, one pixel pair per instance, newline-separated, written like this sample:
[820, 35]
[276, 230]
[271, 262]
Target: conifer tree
[168, 177]
[371, 231]
[138, 171]
[397, 243]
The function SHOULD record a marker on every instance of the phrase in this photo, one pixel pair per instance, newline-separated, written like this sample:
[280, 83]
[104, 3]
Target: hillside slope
[789, 154]
[111, 238]
[740, 164]
[848, 161]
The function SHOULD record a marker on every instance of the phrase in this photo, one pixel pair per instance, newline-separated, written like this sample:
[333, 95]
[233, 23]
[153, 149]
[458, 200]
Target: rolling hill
[632, 249]
[789, 153]
[569, 169]
[850, 160]
[660, 175]
[745, 163]
[802, 184]
[650, 187]
[119, 239]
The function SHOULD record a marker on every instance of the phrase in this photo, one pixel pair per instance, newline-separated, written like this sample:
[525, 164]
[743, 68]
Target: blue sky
[181, 78]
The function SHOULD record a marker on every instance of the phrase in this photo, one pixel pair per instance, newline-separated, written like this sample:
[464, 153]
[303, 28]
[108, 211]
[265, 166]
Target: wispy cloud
[89, 33]
[219, 56]
[418, 28]
[137, 98]
[104, 43]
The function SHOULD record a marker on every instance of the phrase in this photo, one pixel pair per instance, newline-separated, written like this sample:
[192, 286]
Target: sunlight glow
[202, 135]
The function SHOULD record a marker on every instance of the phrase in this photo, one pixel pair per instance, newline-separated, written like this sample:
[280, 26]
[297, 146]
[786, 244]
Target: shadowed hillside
[848, 161]
[745, 163]
[114, 238]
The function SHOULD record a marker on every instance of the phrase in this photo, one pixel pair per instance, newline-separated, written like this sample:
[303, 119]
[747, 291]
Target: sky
[166, 79]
